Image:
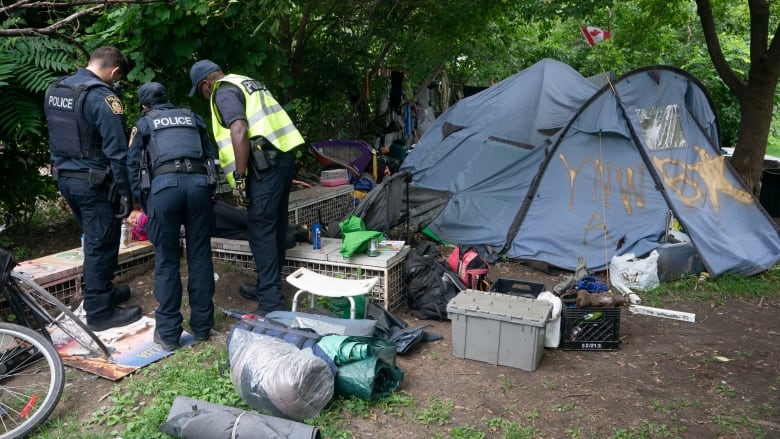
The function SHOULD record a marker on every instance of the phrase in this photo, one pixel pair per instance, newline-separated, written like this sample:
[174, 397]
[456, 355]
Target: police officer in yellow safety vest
[256, 141]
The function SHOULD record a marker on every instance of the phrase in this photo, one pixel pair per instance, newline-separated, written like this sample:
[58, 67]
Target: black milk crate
[515, 287]
[600, 334]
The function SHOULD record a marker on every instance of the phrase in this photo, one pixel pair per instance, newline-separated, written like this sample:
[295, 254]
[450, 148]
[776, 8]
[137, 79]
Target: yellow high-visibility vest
[264, 116]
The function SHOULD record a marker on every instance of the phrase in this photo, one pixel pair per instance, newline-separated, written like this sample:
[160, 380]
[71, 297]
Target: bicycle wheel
[31, 380]
[57, 313]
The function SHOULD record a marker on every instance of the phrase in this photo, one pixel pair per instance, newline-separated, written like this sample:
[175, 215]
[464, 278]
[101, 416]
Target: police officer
[88, 154]
[256, 141]
[172, 173]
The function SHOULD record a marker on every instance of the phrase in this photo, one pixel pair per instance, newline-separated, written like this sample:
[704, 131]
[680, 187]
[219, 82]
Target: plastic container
[498, 328]
[516, 287]
[124, 236]
[770, 191]
[316, 236]
[678, 260]
[334, 177]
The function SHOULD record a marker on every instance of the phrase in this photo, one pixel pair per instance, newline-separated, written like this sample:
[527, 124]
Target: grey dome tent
[545, 166]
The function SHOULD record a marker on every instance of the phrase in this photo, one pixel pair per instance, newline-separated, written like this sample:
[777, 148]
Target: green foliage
[27, 67]
[328, 62]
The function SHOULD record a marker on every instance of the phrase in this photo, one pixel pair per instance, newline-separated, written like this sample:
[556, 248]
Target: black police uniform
[269, 192]
[88, 151]
[176, 144]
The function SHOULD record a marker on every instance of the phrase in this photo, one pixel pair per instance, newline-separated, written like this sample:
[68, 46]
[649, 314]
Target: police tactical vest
[70, 134]
[174, 135]
[264, 115]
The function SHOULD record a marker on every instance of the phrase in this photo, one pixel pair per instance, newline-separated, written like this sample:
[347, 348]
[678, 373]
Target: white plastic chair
[316, 284]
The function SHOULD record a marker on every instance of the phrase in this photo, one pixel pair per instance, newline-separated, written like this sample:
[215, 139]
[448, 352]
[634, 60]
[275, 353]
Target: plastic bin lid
[503, 307]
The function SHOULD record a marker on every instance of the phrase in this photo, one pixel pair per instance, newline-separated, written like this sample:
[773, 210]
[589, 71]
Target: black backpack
[430, 285]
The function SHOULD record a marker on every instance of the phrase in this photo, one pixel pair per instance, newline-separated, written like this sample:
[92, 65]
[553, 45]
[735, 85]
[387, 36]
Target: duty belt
[185, 166]
[83, 175]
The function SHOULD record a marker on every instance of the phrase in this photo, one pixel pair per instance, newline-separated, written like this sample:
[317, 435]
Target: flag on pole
[594, 35]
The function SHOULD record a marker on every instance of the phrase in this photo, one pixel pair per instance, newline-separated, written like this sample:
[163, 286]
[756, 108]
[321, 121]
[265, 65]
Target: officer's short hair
[109, 56]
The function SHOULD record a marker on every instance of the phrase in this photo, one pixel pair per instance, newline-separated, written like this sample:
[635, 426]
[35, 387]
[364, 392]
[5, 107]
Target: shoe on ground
[120, 316]
[166, 346]
[248, 291]
[211, 333]
[120, 294]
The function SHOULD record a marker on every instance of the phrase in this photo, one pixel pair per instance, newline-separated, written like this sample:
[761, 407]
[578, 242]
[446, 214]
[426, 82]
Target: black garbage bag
[195, 419]
[393, 328]
[430, 284]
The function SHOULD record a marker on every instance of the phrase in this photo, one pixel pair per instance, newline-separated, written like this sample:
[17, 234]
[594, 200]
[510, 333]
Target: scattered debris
[660, 312]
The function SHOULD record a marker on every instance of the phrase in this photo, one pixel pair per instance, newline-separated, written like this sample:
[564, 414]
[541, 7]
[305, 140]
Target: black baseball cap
[152, 93]
[199, 71]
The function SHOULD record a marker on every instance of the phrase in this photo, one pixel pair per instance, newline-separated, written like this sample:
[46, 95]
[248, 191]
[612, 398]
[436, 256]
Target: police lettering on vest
[171, 121]
[70, 135]
[174, 135]
[61, 103]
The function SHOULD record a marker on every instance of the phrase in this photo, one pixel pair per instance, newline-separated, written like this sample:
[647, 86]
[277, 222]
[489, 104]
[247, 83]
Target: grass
[141, 402]
[763, 285]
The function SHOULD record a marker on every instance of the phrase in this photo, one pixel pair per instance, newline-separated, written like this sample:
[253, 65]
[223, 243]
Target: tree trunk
[756, 105]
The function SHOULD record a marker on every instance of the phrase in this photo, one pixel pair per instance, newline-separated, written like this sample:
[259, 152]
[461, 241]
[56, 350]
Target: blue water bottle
[315, 236]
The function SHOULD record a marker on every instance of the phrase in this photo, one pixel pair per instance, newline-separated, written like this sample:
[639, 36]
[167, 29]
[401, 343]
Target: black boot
[121, 294]
[120, 316]
[248, 291]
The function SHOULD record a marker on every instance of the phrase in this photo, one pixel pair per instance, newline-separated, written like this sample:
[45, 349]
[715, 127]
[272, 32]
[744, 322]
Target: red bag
[472, 270]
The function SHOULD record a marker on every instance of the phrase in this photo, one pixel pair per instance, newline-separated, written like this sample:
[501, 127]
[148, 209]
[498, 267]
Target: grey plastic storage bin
[498, 328]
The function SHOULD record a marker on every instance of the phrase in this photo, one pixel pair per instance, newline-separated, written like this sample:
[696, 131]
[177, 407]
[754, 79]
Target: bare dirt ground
[716, 378]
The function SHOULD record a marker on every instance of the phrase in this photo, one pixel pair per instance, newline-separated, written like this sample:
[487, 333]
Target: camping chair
[353, 155]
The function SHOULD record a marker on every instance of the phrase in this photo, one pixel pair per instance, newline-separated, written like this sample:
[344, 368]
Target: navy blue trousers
[95, 214]
[269, 193]
[177, 200]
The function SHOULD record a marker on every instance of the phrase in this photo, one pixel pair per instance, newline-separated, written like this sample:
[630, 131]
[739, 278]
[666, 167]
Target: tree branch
[732, 81]
[54, 27]
[760, 54]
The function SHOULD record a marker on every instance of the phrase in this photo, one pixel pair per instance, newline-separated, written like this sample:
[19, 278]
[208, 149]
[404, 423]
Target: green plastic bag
[356, 237]
[370, 379]
[352, 224]
[366, 365]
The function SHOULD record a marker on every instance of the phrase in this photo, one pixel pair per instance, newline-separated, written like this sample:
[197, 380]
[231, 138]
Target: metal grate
[332, 209]
[240, 260]
[66, 290]
[123, 266]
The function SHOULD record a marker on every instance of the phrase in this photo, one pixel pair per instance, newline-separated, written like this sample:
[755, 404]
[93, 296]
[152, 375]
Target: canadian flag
[594, 35]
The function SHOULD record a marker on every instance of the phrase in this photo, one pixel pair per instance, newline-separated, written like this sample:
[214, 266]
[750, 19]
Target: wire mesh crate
[320, 204]
[388, 293]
